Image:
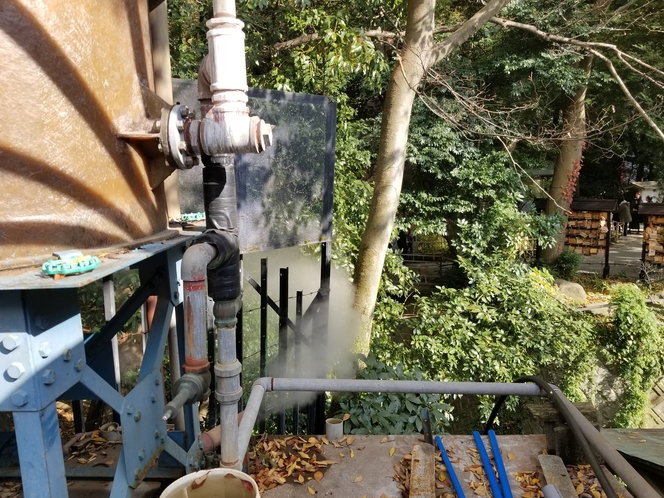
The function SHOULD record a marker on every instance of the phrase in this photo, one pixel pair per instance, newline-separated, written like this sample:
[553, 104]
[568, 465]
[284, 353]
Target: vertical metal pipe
[298, 354]
[194, 273]
[263, 332]
[109, 312]
[322, 320]
[227, 370]
[239, 345]
[282, 359]
[174, 362]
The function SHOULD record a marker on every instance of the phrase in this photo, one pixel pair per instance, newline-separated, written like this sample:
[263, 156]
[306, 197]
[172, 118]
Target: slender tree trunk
[417, 56]
[570, 156]
[570, 153]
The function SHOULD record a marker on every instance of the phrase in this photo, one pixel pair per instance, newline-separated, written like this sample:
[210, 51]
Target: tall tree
[419, 53]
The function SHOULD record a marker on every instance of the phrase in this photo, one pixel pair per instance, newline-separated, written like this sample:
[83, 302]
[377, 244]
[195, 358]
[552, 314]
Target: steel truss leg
[40, 453]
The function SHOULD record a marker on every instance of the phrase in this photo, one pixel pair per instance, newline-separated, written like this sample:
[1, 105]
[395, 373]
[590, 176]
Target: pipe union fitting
[228, 398]
[227, 370]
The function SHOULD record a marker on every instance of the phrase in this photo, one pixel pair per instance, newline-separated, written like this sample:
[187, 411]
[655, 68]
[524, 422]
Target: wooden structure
[589, 228]
[653, 233]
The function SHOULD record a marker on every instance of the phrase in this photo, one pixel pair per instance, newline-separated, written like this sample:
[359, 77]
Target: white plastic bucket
[213, 483]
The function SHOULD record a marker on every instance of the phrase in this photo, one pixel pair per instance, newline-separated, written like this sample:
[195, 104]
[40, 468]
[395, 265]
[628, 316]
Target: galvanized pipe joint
[228, 390]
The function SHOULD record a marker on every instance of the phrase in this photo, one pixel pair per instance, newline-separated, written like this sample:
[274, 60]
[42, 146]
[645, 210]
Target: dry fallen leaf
[352, 453]
[300, 479]
[345, 417]
[510, 455]
[350, 440]
[342, 455]
[481, 490]
[318, 476]
[324, 439]
[311, 490]
[358, 479]
[392, 450]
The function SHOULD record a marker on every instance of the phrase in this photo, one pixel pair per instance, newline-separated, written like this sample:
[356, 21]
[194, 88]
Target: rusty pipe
[194, 273]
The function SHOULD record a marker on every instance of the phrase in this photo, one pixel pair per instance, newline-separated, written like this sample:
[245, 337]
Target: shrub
[380, 413]
[566, 265]
[506, 323]
[633, 346]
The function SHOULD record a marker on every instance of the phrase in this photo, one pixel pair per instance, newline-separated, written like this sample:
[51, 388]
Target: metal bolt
[188, 161]
[153, 398]
[176, 295]
[179, 124]
[48, 377]
[192, 115]
[141, 455]
[156, 381]
[137, 417]
[20, 398]
[182, 146]
[136, 474]
[41, 322]
[11, 342]
[157, 124]
[78, 366]
[15, 370]
[156, 434]
[184, 111]
[160, 148]
[130, 409]
[45, 349]
[162, 439]
[67, 355]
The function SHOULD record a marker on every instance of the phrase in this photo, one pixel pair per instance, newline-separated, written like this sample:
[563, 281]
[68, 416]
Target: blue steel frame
[43, 356]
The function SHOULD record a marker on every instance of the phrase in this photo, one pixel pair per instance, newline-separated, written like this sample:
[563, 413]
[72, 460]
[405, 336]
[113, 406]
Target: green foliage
[566, 265]
[633, 344]
[379, 413]
[504, 324]
[188, 44]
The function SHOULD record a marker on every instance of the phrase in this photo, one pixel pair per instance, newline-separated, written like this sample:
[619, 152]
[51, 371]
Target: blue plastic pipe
[495, 489]
[500, 465]
[450, 469]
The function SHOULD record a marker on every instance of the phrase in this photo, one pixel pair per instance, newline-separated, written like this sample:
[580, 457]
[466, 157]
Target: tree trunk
[569, 160]
[417, 56]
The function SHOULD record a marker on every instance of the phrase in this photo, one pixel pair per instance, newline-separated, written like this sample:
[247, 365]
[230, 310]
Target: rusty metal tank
[78, 166]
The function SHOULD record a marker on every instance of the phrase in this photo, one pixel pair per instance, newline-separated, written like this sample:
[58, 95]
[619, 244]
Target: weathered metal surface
[423, 472]
[111, 262]
[75, 75]
[376, 467]
[555, 472]
[644, 446]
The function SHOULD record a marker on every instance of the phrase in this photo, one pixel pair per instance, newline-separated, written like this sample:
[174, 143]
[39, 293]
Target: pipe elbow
[196, 260]
[264, 382]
